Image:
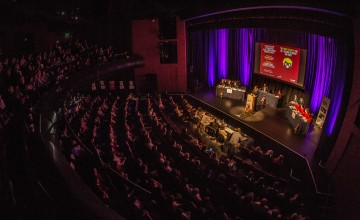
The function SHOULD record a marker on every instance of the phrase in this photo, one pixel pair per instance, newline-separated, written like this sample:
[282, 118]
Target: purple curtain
[244, 54]
[217, 55]
[222, 48]
[211, 56]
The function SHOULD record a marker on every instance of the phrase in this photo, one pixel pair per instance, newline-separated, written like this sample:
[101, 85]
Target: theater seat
[93, 87]
[111, 85]
[102, 85]
[131, 85]
[121, 85]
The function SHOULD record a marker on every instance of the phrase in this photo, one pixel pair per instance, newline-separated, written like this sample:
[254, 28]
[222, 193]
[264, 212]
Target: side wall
[343, 163]
[145, 42]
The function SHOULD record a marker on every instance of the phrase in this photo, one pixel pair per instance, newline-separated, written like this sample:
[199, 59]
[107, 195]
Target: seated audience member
[199, 113]
[205, 121]
[178, 112]
[215, 124]
[261, 206]
[269, 154]
[235, 138]
[234, 141]
[222, 132]
[279, 160]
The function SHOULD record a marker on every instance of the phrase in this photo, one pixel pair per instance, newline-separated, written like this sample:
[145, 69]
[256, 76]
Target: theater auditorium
[154, 109]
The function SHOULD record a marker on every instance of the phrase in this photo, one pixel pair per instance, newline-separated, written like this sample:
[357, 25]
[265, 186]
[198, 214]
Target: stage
[273, 123]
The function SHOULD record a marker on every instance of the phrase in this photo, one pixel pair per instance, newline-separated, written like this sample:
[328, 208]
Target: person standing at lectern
[265, 88]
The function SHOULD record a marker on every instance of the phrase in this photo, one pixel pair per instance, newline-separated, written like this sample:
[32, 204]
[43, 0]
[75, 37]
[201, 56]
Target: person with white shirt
[235, 138]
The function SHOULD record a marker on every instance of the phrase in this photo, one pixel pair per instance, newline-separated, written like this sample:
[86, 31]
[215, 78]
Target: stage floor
[274, 124]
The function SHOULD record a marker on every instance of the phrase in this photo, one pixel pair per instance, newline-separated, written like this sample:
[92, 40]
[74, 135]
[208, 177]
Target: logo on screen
[287, 62]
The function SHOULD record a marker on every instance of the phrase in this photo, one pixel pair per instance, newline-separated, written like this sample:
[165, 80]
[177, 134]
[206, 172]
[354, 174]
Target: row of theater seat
[138, 138]
[112, 85]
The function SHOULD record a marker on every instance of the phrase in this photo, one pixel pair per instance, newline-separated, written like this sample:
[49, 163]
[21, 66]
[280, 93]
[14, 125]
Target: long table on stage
[271, 99]
[230, 92]
[297, 120]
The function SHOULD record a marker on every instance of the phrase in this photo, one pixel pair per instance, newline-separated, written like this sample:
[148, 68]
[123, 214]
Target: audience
[23, 77]
[185, 170]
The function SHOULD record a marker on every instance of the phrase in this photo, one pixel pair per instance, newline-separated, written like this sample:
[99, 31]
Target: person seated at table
[278, 94]
[265, 88]
[295, 100]
[236, 84]
[222, 82]
[300, 109]
[301, 102]
[228, 82]
[307, 115]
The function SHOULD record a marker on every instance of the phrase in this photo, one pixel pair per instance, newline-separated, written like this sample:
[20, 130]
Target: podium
[250, 101]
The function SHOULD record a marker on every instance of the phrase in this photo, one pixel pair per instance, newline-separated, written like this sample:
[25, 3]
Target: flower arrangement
[263, 100]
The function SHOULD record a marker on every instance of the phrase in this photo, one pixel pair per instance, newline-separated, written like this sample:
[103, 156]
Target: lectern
[250, 102]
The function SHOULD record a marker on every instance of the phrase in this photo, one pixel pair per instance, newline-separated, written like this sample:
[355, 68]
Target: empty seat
[93, 87]
[131, 85]
[121, 85]
[102, 85]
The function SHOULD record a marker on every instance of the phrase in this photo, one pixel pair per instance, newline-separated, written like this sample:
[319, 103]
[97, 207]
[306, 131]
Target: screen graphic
[280, 62]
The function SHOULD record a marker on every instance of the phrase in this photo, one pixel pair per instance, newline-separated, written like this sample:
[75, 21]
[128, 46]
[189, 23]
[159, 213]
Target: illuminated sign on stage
[281, 62]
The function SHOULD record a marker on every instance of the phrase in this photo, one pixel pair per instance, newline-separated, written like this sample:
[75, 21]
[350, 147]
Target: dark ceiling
[119, 10]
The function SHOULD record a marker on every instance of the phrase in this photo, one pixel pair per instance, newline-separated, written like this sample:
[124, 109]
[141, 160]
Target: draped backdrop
[230, 53]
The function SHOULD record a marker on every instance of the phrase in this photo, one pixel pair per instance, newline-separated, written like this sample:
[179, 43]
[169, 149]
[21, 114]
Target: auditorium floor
[274, 124]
